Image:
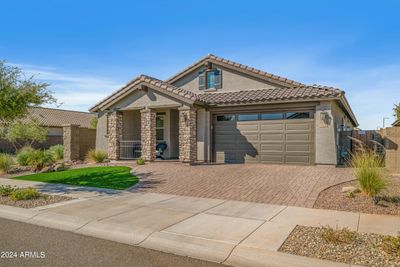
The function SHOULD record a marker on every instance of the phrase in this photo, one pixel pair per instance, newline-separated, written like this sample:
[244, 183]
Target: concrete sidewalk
[231, 232]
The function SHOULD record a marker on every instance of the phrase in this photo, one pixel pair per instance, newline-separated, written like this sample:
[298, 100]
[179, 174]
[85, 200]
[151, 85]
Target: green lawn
[114, 177]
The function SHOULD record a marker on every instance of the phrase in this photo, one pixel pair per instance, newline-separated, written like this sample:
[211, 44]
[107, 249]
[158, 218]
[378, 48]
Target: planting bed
[389, 200]
[33, 203]
[365, 249]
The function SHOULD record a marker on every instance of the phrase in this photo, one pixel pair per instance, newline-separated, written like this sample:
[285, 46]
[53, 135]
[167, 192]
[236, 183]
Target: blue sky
[87, 49]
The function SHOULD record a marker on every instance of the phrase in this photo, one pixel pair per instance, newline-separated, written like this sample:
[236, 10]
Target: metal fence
[130, 149]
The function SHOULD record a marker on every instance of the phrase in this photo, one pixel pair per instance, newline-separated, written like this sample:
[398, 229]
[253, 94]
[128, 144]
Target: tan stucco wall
[141, 99]
[203, 135]
[325, 135]
[101, 132]
[340, 116]
[231, 81]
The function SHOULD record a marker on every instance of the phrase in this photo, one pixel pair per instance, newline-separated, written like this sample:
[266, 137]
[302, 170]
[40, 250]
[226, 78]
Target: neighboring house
[53, 120]
[396, 123]
[220, 111]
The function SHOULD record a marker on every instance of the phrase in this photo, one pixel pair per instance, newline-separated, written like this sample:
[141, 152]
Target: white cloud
[73, 91]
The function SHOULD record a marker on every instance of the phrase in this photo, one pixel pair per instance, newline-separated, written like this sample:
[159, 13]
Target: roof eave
[348, 109]
[135, 86]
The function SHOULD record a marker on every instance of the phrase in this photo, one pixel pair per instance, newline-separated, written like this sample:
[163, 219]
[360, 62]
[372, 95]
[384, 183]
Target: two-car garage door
[284, 138]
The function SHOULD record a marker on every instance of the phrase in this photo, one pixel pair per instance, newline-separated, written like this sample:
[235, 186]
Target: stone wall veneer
[114, 134]
[148, 134]
[187, 135]
[71, 142]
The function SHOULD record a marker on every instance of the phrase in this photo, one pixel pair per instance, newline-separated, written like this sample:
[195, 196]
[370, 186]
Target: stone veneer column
[187, 135]
[114, 134]
[148, 134]
[71, 142]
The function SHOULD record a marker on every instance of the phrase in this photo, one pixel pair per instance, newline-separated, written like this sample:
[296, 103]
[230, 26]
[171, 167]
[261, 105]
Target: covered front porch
[138, 133]
[167, 133]
[144, 114]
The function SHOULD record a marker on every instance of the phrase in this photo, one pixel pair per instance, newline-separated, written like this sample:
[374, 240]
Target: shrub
[97, 156]
[57, 151]
[337, 236]
[39, 159]
[24, 194]
[6, 190]
[368, 169]
[6, 161]
[140, 161]
[23, 155]
[391, 245]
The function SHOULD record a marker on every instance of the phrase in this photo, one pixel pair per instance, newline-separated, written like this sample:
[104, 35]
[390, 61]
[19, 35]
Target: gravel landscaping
[32, 203]
[365, 249]
[389, 203]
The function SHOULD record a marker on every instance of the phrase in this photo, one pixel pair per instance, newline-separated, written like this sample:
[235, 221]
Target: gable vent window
[210, 79]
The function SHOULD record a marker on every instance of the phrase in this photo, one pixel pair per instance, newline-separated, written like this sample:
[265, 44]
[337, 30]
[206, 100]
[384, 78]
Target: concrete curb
[229, 232]
[17, 214]
[252, 257]
[204, 249]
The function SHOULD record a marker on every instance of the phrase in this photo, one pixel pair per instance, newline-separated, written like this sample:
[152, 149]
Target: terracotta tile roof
[50, 117]
[396, 123]
[180, 92]
[274, 94]
[169, 87]
[240, 67]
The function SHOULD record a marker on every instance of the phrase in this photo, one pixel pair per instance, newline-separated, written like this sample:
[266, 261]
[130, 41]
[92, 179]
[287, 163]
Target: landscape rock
[352, 189]
[19, 169]
[47, 169]
[59, 167]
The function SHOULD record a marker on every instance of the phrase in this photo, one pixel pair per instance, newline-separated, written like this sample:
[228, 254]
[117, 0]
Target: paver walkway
[274, 184]
[232, 232]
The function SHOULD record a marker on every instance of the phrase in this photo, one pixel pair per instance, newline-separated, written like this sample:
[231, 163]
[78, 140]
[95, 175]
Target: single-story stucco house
[53, 120]
[220, 111]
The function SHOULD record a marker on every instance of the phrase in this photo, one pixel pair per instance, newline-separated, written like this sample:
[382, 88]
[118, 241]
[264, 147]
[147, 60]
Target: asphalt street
[23, 244]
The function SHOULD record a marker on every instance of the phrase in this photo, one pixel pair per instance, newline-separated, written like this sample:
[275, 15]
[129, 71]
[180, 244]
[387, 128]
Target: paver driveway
[276, 184]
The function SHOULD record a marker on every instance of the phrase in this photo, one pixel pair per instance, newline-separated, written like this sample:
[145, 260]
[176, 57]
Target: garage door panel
[271, 147]
[227, 157]
[305, 148]
[272, 137]
[248, 126]
[266, 141]
[306, 137]
[247, 137]
[299, 127]
[272, 158]
[297, 159]
[224, 147]
[225, 139]
[247, 146]
[250, 159]
[265, 127]
[224, 128]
